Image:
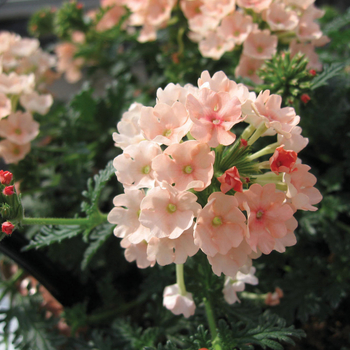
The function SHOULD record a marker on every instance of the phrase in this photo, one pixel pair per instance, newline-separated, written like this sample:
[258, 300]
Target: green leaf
[338, 23]
[53, 234]
[98, 239]
[328, 72]
[94, 190]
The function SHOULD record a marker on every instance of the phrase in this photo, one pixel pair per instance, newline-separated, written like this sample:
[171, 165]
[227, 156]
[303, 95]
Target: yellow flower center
[171, 208]
[187, 169]
[216, 221]
[146, 169]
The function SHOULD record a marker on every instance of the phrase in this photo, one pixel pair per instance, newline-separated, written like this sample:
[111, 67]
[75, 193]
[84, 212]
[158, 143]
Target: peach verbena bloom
[209, 189]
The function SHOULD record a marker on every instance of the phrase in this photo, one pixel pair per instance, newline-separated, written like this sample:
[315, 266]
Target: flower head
[7, 227]
[177, 303]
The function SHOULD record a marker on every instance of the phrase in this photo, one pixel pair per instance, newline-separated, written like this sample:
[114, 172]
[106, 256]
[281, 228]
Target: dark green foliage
[41, 22]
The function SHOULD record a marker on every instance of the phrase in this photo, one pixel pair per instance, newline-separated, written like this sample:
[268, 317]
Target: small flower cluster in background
[191, 183]
[25, 71]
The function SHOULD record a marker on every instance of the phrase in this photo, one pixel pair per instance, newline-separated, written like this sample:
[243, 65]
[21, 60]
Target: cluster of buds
[190, 183]
[24, 72]
[8, 199]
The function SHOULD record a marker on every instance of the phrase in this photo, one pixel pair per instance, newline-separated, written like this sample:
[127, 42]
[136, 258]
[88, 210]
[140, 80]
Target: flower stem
[247, 132]
[257, 133]
[266, 150]
[212, 324]
[180, 278]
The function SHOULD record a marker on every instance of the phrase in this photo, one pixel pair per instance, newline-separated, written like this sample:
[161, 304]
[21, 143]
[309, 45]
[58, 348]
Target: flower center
[171, 208]
[259, 214]
[187, 169]
[236, 33]
[216, 221]
[146, 169]
[260, 49]
[250, 71]
[138, 213]
[216, 121]
[16, 151]
[167, 133]
[18, 131]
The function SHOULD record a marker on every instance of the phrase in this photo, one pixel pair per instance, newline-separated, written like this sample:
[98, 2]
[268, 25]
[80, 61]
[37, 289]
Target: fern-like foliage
[328, 72]
[53, 234]
[337, 23]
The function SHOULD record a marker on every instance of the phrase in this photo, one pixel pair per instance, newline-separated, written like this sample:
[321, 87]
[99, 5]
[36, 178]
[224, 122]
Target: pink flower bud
[230, 179]
[7, 227]
[8, 191]
[273, 299]
[5, 177]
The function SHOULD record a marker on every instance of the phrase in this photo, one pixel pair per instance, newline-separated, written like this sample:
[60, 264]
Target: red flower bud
[7, 227]
[305, 98]
[5, 177]
[8, 191]
[283, 160]
[244, 143]
[312, 72]
[230, 179]
[79, 6]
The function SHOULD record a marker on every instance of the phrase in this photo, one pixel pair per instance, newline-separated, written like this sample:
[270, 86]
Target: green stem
[257, 133]
[180, 279]
[64, 221]
[211, 318]
[248, 132]
[266, 150]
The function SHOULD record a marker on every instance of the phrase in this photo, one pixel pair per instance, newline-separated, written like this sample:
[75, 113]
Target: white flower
[177, 303]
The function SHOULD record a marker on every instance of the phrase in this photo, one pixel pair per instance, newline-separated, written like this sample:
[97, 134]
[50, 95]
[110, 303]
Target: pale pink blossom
[247, 68]
[7, 39]
[129, 129]
[78, 37]
[67, 63]
[309, 51]
[110, 18]
[177, 303]
[165, 124]
[5, 106]
[214, 45]
[191, 8]
[218, 8]
[136, 252]
[237, 284]
[302, 4]
[296, 142]
[187, 165]
[255, 5]
[13, 153]
[220, 225]
[260, 44]
[125, 215]
[273, 299]
[24, 47]
[219, 82]
[230, 263]
[174, 93]
[33, 102]
[301, 191]
[133, 166]
[289, 239]
[323, 40]
[167, 251]
[236, 26]
[14, 84]
[19, 128]
[267, 109]
[267, 214]
[279, 17]
[308, 29]
[201, 25]
[213, 115]
[168, 212]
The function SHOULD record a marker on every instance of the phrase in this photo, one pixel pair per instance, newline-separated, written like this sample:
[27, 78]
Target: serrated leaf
[328, 72]
[53, 234]
[102, 235]
[338, 23]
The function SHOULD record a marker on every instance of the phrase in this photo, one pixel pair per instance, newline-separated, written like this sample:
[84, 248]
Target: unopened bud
[8, 191]
[7, 227]
[312, 72]
[5, 177]
[305, 98]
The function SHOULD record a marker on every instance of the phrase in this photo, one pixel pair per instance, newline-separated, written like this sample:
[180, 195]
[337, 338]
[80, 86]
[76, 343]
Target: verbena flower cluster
[25, 70]
[192, 184]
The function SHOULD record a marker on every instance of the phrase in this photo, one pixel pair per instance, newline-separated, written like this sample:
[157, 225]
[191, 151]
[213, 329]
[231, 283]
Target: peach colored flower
[13, 153]
[5, 106]
[187, 165]
[125, 215]
[289, 239]
[230, 179]
[260, 44]
[309, 51]
[218, 8]
[237, 284]
[273, 299]
[302, 4]
[267, 214]
[177, 303]
[110, 18]
[282, 160]
[19, 128]
[174, 93]
[301, 191]
[220, 225]
[280, 18]
[247, 68]
[165, 124]
[34, 102]
[213, 115]
[13, 84]
[214, 45]
[78, 37]
[133, 166]
[7, 39]
[136, 252]
[191, 8]
[24, 47]
[296, 142]
[168, 212]
[230, 263]
[167, 251]
[236, 26]
[255, 5]
[129, 129]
